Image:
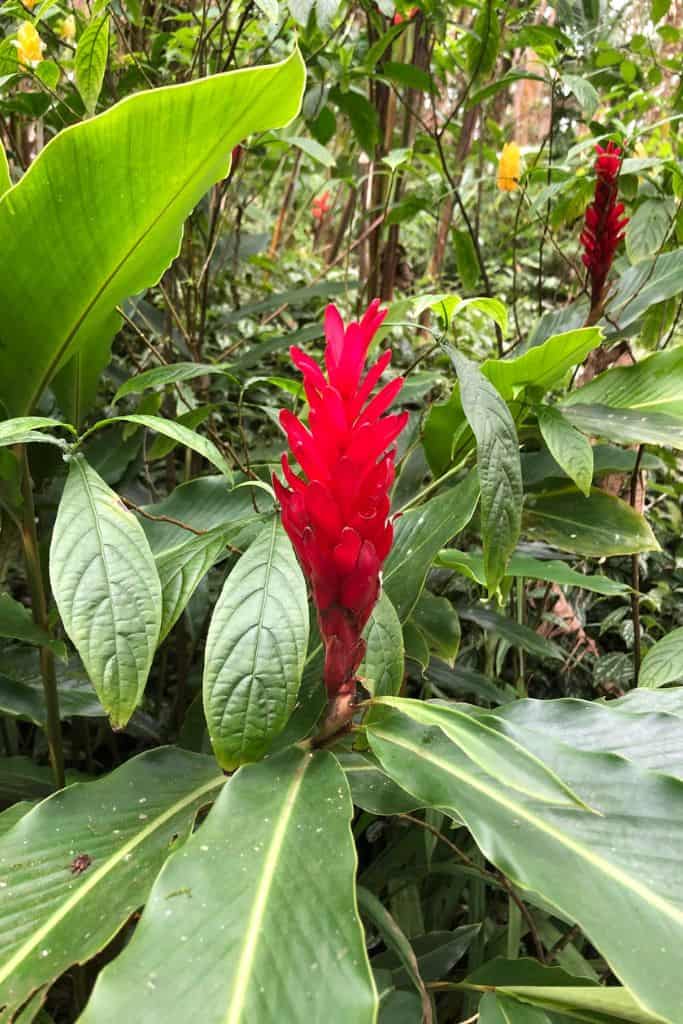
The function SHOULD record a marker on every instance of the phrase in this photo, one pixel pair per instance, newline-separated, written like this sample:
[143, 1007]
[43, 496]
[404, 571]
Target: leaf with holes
[255, 649]
[79, 864]
[107, 589]
[226, 901]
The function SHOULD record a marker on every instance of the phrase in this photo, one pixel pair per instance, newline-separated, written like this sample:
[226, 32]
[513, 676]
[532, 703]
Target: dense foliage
[335, 690]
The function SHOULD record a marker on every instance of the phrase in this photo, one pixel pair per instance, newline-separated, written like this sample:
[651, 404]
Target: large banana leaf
[615, 869]
[254, 920]
[98, 217]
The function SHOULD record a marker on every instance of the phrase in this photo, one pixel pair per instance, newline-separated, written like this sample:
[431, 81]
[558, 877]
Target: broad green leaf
[650, 739]
[596, 526]
[498, 1009]
[26, 428]
[540, 467]
[107, 589]
[483, 41]
[641, 701]
[419, 535]
[500, 473]
[466, 258]
[255, 650]
[570, 449]
[371, 789]
[651, 281]
[647, 229]
[438, 621]
[627, 426]
[22, 779]
[311, 148]
[471, 564]
[162, 376]
[663, 663]
[448, 305]
[182, 568]
[224, 901]
[177, 432]
[91, 61]
[590, 1004]
[544, 365]
[653, 385]
[585, 93]
[126, 823]
[22, 694]
[601, 886]
[513, 633]
[382, 668]
[16, 622]
[141, 167]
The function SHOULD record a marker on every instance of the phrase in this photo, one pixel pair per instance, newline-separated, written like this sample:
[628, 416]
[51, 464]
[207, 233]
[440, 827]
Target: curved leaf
[51, 915]
[91, 61]
[177, 432]
[596, 526]
[255, 649]
[471, 564]
[162, 376]
[262, 896]
[663, 663]
[382, 668]
[107, 589]
[141, 167]
[570, 449]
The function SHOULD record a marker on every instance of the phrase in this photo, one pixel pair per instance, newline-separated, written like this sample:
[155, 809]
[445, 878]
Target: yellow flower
[29, 44]
[509, 167]
[30, 4]
[67, 29]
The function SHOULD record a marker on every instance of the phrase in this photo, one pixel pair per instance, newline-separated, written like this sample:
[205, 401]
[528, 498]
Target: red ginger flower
[338, 520]
[320, 206]
[604, 226]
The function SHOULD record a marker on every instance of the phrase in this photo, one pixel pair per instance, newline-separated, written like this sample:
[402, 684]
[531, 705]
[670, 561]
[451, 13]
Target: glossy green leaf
[16, 622]
[512, 632]
[544, 365]
[438, 621]
[255, 649]
[418, 536]
[311, 148]
[261, 901]
[597, 526]
[570, 449]
[585, 92]
[627, 426]
[141, 167]
[91, 61]
[27, 428]
[647, 229]
[107, 589]
[500, 473]
[471, 564]
[382, 667]
[126, 823]
[182, 568]
[498, 1009]
[22, 694]
[177, 432]
[602, 886]
[663, 663]
[653, 385]
[591, 1005]
[371, 789]
[651, 281]
[162, 376]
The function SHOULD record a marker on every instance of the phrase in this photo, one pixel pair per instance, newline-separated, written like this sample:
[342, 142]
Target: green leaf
[382, 667]
[500, 472]
[570, 449]
[596, 526]
[91, 61]
[371, 789]
[419, 535]
[162, 376]
[466, 259]
[626, 426]
[141, 167]
[585, 93]
[52, 917]
[447, 306]
[544, 365]
[255, 650]
[22, 694]
[26, 428]
[601, 886]
[653, 385]
[177, 432]
[107, 590]
[647, 229]
[438, 620]
[313, 149]
[407, 75]
[16, 622]
[483, 42]
[471, 564]
[513, 633]
[48, 72]
[651, 281]
[660, 8]
[361, 114]
[498, 1009]
[279, 828]
[591, 1004]
[663, 663]
[182, 568]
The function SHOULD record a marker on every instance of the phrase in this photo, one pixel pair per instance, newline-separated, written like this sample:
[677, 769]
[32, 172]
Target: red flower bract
[604, 226]
[338, 519]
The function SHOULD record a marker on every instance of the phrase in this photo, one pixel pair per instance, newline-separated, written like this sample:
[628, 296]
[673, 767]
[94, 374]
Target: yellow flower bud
[509, 168]
[30, 4]
[29, 44]
[67, 29]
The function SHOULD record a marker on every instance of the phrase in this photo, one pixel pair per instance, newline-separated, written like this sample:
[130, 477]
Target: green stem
[34, 575]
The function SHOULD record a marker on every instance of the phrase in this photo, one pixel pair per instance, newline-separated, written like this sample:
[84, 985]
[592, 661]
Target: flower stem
[34, 573]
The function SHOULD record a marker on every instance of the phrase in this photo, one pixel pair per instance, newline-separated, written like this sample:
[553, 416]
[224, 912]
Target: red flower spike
[604, 225]
[338, 517]
[320, 206]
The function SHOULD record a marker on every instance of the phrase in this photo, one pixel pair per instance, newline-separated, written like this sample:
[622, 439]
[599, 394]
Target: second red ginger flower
[605, 223]
[338, 518]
